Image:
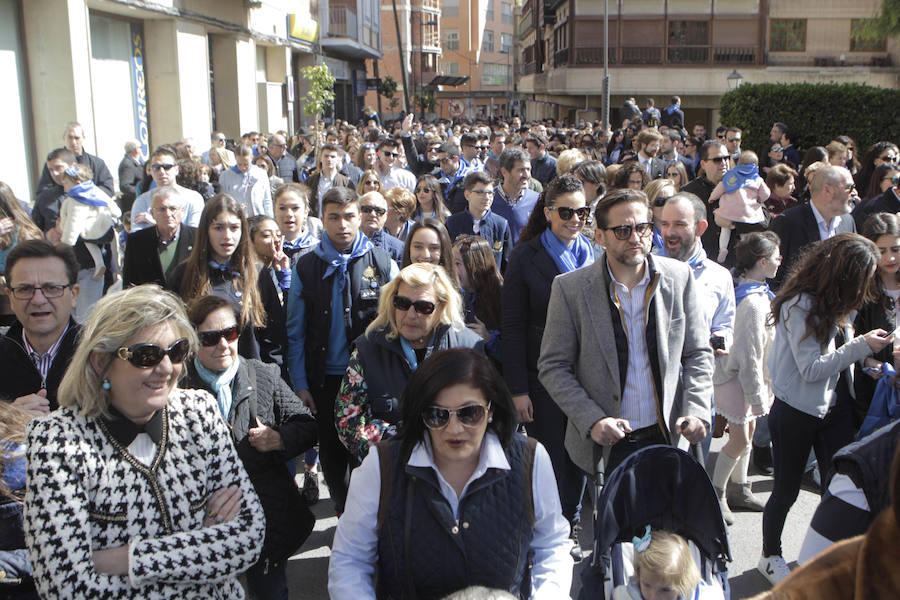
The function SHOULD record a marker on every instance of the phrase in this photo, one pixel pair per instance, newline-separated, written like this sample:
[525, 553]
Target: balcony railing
[561, 57]
[526, 24]
[529, 68]
[680, 55]
[342, 21]
[432, 4]
[593, 56]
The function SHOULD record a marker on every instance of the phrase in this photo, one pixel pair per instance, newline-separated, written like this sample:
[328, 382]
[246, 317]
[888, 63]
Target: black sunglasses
[159, 166]
[566, 212]
[436, 417]
[718, 159]
[389, 153]
[211, 338]
[623, 232]
[145, 356]
[423, 307]
[659, 202]
[368, 208]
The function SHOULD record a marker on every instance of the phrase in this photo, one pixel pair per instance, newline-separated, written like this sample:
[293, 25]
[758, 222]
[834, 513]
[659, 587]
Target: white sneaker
[773, 568]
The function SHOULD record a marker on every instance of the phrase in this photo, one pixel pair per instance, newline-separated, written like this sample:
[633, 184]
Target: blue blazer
[494, 229]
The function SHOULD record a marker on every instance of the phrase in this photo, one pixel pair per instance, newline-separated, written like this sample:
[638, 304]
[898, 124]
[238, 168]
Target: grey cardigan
[804, 372]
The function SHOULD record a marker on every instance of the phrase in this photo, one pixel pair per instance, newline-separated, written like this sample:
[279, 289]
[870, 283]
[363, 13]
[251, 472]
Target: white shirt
[639, 399]
[325, 184]
[716, 296]
[190, 213]
[398, 177]
[826, 230]
[250, 189]
[355, 550]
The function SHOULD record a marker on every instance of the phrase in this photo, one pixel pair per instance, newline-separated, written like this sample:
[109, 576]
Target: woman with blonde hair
[15, 226]
[419, 312]
[369, 181]
[135, 489]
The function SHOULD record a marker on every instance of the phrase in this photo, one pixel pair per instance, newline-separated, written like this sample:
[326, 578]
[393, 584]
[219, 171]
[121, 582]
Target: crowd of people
[395, 305]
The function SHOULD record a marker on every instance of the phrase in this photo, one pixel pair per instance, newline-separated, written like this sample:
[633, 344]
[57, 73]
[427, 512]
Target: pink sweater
[743, 205]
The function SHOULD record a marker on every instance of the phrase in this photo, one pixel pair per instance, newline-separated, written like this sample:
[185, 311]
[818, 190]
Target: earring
[105, 385]
[490, 419]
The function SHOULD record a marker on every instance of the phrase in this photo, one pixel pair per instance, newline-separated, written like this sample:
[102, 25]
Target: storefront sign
[139, 89]
[303, 27]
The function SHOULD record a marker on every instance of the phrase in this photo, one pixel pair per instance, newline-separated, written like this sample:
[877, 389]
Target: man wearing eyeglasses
[733, 137]
[714, 163]
[477, 218]
[620, 337]
[386, 165]
[419, 164]
[37, 349]
[284, 161]
[887, 201]
[164, 170]
[373, 213]
[825, 215]
[452, 176]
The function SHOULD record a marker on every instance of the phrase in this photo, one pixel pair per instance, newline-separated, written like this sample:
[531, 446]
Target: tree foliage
[883, 25]
[321, 90]
[815, 113]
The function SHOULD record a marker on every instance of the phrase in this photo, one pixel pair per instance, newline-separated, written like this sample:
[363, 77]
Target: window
[506, 13]
[864, 45]
[787, 35]
[451, 39]
[506, 43]
[451, 68]
[490, 10]
[487, 45]
[495, 74]
[450, 8]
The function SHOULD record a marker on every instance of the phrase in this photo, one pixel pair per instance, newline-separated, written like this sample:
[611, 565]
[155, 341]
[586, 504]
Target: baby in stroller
[664, 569]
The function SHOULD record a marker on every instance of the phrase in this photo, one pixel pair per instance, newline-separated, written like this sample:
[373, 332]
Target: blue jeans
[268, 584]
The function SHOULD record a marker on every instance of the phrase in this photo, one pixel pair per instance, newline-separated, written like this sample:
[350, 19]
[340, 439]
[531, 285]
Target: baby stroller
[663, 487]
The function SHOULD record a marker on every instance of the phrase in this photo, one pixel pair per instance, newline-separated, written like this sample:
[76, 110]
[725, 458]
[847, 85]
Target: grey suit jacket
[578, 364]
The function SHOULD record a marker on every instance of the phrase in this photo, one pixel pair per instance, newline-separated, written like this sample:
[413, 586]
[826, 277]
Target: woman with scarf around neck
[741, 382]
[222, 264]
[550, 244]
[269, 426]
[419, 312]
[300, 229]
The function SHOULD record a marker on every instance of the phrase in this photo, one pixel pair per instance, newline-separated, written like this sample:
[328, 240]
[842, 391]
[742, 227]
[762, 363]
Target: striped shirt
[42, 362]
[638, 399]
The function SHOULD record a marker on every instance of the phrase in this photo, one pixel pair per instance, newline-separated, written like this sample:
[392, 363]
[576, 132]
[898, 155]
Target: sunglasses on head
[436, 417]
[144, 356]
[566, 212]
[368, 208]
[623, 232]
[211, 338]
[423, 307]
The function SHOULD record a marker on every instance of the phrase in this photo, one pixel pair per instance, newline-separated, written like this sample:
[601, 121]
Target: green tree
[387, 88]
[321, 90]
[883, 25]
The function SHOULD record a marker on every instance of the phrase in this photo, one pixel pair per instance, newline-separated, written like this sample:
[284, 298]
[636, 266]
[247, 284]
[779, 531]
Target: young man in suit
[648, 310]
[152, 254]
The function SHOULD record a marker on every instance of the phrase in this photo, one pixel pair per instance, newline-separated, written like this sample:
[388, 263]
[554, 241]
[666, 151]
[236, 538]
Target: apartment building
[690, 48]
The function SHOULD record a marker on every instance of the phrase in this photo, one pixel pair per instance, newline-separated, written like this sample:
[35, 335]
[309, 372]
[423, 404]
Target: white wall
[17, 170]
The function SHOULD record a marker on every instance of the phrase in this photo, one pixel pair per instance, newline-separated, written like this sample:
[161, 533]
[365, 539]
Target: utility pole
[606, 65]
[402, 61]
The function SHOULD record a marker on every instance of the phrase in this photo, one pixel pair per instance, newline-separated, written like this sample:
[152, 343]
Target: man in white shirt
[391, 175]
[164, 170]
[248, 184]
[326, 177]
[649, 141]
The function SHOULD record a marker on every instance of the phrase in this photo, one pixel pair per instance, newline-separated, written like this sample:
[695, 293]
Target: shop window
[787, 35]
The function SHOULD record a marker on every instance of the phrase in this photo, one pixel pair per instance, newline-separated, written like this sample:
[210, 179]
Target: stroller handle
[600, 462]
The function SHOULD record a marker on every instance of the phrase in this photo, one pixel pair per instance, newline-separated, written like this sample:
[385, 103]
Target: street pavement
[308, 570]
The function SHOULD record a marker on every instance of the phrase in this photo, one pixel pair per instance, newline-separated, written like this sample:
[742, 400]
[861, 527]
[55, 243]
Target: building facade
[659, 48]
[163, 70]
[352, 36]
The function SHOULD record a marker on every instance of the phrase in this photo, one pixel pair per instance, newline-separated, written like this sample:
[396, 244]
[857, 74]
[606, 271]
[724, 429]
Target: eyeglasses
[718, 159]
[211, 338]
[436, 417]
[49, 290]
[373, 182]
[733, 140]
[889, 158]
[721, 136]
[145, 356]
[389, 153]
[221, 139]
[159, 166]
[623, 232]
[423, 307]
[482, 192]
[659, 202]
[895, 179]
[567, 212]
[368, 208]
[777, 149]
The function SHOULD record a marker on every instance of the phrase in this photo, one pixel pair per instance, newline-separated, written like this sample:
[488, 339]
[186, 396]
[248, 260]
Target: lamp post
[735, 79]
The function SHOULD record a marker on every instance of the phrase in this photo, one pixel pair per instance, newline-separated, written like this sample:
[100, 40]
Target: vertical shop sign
[139, 89]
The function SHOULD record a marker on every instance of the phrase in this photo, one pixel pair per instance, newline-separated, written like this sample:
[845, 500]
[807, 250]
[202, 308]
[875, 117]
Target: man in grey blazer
[620, 335]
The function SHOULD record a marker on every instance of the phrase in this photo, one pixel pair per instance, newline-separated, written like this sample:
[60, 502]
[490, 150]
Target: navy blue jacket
[388, 243]
[544, 169]
[494, 229]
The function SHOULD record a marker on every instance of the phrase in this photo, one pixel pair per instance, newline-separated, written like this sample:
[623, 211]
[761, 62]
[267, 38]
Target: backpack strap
[387, 479]
[528, 472]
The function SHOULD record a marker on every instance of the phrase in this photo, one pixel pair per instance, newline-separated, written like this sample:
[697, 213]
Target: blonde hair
[567, 160]
[116, 318]
[84, 173]
[748, 157]
[669, 558]
[419, 275]
[812, 169]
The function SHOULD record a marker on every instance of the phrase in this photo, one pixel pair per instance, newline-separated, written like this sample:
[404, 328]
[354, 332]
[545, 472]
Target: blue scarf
[88, 193]
[659, 242]
[751, 287]
[696, 261]
[338, 261]
[220, 383]
[410, 353]
[739, 176]
[304, 241]
[567, 259]
[226, 269]
[236, 170]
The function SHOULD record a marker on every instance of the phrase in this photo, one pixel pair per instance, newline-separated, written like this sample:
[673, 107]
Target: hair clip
[72, 170]
[642, 543]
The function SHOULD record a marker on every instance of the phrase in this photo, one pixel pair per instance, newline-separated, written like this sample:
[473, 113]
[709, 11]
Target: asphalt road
[308, 570]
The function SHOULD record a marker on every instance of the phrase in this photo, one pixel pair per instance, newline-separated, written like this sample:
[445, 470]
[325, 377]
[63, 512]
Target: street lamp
[734, 80]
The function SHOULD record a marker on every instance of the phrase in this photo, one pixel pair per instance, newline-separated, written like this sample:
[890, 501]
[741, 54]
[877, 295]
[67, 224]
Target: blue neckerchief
[739, 176]
[304, 241]
[284, 278]
[751, 287]
[236, 170]
[220, 384]
[88, 193]
[410, 353]
[226, 269]
[659, 242]
[338, 261]
[579, 254]
[696, 261]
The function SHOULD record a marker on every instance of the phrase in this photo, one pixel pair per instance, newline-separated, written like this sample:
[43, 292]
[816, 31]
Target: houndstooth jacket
[85, 492]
